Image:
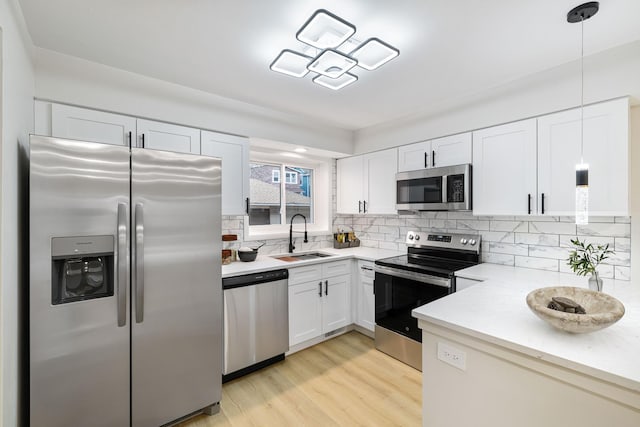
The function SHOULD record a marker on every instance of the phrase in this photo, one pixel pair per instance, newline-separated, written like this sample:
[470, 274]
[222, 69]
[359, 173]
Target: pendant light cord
[582, 89]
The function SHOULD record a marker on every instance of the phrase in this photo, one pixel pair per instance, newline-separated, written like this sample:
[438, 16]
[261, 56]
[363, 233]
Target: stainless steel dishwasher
[256, 321]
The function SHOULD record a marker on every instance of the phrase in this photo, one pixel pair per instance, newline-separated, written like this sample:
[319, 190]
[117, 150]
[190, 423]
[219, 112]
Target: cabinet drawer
[305, 274]
[366, 271]
[336, 268]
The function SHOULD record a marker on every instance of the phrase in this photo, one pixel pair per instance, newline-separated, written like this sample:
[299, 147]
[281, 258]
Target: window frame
[321, 194]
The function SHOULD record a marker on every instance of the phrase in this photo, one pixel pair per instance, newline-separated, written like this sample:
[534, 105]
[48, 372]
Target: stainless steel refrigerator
[125, 294]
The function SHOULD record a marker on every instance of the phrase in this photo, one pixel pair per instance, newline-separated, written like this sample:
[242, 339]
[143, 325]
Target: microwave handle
[444, 189]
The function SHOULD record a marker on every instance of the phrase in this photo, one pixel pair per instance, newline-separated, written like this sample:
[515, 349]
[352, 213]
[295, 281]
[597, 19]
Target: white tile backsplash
[540, 242]
[615, 230]
[508, 248]
[537, 239]
[552, 227]
[513, 226]
[537, 263]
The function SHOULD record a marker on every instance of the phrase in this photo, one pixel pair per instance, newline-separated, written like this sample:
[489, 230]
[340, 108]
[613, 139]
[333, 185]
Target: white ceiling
[448, 48]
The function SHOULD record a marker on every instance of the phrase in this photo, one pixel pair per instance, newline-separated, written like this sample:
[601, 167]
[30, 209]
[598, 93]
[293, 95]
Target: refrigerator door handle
[139, 266]
[123, 265]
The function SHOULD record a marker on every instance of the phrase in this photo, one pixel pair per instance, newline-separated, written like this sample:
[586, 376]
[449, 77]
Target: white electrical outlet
[452, 356]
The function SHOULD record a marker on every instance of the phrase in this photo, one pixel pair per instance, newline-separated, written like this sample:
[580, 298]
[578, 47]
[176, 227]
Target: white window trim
[290, 174]
[321, 205]
[275, 176]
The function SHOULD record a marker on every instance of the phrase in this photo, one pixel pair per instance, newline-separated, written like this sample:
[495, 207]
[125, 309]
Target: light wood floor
[342, 382]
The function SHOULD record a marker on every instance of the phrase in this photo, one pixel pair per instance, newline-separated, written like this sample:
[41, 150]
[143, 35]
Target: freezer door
[78, 267]
[176, 285]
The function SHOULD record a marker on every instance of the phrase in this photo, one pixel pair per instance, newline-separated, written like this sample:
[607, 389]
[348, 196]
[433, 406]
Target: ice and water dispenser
[82, 268]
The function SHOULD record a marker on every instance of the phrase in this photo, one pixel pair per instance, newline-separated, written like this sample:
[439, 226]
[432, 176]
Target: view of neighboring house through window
[273, 201]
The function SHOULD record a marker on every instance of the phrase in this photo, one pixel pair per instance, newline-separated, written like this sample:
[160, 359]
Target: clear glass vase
[595, 282]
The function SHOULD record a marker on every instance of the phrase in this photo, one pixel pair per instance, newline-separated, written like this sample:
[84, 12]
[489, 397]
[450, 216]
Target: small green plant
[586, 258]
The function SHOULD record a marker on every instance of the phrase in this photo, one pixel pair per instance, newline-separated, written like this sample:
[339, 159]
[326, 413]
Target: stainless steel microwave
[437, 189]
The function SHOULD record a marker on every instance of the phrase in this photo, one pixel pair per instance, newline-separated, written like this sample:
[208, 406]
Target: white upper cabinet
[537, 159]
[606, 151]
[234, 152]
[451, 150]
[446, 151]
[167, 137]
[504, 169]
[380, 170]
[367, 183]
[64, 121]
[414, 156]
[349, 193]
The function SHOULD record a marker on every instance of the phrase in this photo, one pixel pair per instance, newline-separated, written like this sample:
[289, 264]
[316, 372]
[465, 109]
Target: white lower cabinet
[365, 311]
[319, 300]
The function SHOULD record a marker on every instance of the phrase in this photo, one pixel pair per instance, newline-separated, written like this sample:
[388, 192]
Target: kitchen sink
[302, 257]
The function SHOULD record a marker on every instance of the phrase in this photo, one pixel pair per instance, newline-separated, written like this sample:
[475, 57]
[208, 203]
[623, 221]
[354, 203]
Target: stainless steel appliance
[256, 321]
[405, 282]
[446, 188]
[125, 295]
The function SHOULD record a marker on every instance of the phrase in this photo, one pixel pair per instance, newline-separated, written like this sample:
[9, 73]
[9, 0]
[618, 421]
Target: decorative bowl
[602, 310]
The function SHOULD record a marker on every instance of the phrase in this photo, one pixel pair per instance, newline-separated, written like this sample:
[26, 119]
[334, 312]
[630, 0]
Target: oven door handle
[410, 275]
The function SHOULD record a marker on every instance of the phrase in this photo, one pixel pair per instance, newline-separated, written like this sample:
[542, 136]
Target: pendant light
[580, 14]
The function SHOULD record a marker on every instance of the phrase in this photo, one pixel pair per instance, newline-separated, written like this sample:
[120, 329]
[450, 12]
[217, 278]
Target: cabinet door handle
[542, 200]
[130, 136]
[326, 287]
[433, 158]
[320, 289]
[359, 206]
[529, 201]
[364, 206]
[247, 200]
[143, 140]
[426, 162]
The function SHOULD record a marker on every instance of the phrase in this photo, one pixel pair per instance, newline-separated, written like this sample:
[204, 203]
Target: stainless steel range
[424, 274]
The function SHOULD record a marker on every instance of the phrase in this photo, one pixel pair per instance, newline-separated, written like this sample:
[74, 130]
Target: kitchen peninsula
[484, 347]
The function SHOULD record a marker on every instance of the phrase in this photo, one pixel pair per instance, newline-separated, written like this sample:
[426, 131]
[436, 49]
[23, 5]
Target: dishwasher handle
[254, 278]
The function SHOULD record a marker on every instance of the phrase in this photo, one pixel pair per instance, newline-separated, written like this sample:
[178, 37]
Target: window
[275, 202]
[291, 177]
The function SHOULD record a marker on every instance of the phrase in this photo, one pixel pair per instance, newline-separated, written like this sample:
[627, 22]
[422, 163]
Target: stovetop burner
[436, 254]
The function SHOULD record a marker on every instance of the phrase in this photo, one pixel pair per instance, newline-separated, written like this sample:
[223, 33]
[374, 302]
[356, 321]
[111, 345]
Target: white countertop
[496, 311]
[268, 262]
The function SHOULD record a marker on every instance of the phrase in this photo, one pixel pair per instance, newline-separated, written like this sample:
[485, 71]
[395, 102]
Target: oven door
[398, 292]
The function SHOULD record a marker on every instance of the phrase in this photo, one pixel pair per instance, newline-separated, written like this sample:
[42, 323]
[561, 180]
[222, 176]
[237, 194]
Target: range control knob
[463, 241]
[472, 242]
[417, 237]
[410, 236]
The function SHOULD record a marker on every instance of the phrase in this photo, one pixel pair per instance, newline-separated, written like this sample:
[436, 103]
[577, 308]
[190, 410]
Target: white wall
[17, 122]
[634, 189]
[609, 74]
[76, 81]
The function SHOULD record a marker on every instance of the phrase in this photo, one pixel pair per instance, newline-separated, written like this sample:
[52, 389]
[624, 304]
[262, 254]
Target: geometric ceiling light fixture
[373, 53]
[331, 51]
[580, 14]
[332, 63]
[291, 63]
[338, 83]
[324, 30]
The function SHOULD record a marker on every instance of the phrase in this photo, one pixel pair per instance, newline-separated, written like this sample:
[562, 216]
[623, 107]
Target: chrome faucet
[291, 247]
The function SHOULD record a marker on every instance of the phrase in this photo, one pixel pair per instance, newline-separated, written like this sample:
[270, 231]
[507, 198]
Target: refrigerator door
[78, 323]
[176, 285]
